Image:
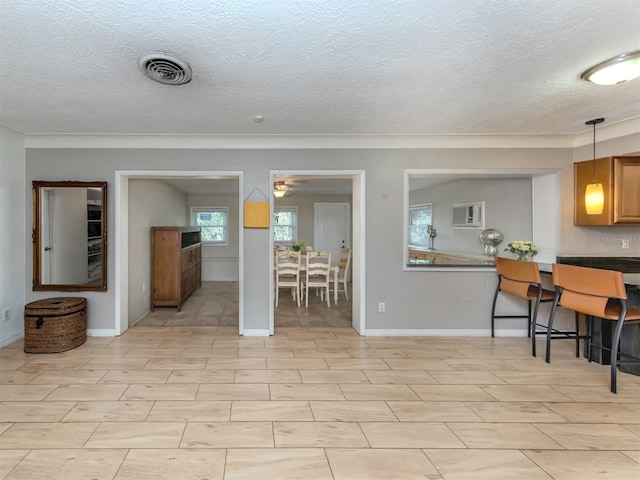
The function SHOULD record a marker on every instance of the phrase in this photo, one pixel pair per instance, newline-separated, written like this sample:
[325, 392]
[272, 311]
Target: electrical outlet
[625, 243]
[6, 315]
[381, 307]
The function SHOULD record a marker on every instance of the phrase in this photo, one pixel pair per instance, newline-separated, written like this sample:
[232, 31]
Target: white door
[331, 227]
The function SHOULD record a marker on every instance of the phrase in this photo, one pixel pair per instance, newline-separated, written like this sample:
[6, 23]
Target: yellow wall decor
[256, 214]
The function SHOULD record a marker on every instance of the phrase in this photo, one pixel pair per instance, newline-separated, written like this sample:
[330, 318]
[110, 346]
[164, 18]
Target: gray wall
[151, 203]
[15, 278]
[507, 208]
[415, 300]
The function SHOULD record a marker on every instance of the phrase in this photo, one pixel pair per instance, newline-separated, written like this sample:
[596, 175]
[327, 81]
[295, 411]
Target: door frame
[358, 230]
[122, 177]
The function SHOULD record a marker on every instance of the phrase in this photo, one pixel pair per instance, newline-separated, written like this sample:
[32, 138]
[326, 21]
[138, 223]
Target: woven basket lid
[55, 306]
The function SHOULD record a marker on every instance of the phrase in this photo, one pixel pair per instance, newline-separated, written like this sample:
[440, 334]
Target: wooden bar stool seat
[521, 279]
[595, 293]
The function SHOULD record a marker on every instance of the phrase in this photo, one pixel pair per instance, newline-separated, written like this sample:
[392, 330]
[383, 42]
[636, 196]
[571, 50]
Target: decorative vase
[491, 238]
[523, 256]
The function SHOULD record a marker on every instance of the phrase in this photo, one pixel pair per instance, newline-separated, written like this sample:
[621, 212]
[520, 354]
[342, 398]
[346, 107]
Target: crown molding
[296, 141]
[605, 131]
[252, 142]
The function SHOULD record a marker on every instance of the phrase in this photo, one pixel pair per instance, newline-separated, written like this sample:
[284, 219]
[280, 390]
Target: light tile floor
[177, 398]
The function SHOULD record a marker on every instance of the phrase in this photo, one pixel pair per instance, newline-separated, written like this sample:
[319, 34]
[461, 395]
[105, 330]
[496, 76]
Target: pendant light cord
[594, 122]
[594, 152]
[594, 142]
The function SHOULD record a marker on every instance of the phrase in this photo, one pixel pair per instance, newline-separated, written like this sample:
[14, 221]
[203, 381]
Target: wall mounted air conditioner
[468, 215]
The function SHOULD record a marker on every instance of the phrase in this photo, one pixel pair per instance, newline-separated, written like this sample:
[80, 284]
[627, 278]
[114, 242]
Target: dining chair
[596, 293]
[288, 274]
[317, 275]
[521, 279]
[343, 271]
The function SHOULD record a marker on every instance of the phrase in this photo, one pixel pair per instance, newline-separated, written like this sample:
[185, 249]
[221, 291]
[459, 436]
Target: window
[419, 220]
[213, 224]
[285, 225]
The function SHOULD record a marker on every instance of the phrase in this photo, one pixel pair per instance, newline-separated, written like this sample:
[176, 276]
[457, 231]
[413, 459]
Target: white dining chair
[288, 274]
[317, 275]
[343, 271]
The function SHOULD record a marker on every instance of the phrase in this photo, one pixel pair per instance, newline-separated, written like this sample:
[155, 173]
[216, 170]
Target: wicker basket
[55, 325]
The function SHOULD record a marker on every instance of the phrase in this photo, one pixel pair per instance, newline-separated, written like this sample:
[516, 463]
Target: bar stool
[521, 279]
[595, 293]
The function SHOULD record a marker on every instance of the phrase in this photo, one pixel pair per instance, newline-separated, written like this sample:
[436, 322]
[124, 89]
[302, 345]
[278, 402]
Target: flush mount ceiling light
[617, 70]
[594, 193]
[279, 189]
[165, 69]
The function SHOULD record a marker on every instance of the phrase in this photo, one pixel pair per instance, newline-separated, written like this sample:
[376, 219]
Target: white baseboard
[429, 332]
[250, 332]
[418, 332]
[509, 332]
[106, 332]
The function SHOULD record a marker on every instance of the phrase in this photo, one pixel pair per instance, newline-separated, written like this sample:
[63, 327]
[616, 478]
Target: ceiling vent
[163, 68]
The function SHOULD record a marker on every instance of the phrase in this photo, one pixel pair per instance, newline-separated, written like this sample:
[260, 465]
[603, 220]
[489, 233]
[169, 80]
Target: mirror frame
[101, 286]
[546, 226]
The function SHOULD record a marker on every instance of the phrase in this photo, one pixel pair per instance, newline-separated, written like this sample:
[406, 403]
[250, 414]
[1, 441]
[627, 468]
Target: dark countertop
[629, 266]
[621, 264]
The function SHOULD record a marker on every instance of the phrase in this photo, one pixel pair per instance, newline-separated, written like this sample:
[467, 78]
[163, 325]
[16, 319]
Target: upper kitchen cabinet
[620, 179]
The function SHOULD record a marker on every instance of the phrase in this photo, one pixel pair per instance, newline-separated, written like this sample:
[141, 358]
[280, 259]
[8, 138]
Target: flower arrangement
[296, 247]
[522, 249]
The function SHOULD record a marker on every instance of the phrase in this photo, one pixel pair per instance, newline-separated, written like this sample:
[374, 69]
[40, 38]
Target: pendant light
[594, 193]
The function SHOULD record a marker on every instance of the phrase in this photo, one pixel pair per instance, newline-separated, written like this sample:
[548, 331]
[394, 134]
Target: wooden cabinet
[175, 265]
[626, 179]
[620, 178]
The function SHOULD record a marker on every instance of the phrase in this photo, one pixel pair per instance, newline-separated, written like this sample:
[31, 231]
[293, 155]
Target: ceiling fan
[280, 189]
[288, 186]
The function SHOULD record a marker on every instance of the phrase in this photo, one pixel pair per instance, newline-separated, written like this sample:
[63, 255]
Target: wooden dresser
[175, 265]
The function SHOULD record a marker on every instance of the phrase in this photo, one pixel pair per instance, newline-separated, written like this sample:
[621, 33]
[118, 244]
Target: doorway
[356, 228]
[122, 235]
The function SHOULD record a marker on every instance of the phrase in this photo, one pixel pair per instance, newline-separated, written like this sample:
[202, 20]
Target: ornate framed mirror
[69, 236]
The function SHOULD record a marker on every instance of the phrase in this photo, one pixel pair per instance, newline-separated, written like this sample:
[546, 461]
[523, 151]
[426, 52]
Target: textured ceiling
[314, 67]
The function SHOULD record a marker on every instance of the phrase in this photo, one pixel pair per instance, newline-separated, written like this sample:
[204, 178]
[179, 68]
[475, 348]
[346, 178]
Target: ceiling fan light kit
[279, 189]
[615, 71]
